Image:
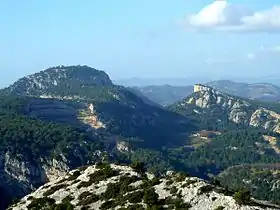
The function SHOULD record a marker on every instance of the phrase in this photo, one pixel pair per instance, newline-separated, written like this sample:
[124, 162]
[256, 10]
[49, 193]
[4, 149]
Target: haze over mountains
[69, 116]
[168, 94]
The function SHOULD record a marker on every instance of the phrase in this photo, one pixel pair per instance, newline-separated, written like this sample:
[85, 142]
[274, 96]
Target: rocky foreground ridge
[104, 186]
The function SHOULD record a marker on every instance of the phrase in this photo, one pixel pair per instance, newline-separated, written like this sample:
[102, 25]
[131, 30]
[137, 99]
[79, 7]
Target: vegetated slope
[246, 146]
[164, 94]
[33, 152]
[261, 180]
[119, 110]
[256, 91]
[218, 110]
[112, 186]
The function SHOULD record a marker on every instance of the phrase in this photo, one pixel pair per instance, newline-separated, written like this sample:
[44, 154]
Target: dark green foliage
[74, 176]
[53, 189]
[67, 199]
[84, 195]
[101, 165]
[108, 204]
[138, 167]
[135, 197]
[176, 203]
[87, 198]
[173, 190]
[155, 181]
[263, 178]
[242, 197]
[150, 197]
[169, 182]
[133, 207]
[42, 203]
[116, 190]
[219, 208]
[188, 182]
[180, 177]
[206, 189]
[100, 175]
[231, 148]
[65, 205]
[113, 190]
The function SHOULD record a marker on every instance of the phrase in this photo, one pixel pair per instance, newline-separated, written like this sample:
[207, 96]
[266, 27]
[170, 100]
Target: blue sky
[141, 38]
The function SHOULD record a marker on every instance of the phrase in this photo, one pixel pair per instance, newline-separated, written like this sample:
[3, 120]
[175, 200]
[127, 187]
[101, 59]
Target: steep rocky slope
[120, 187]
[220, 108]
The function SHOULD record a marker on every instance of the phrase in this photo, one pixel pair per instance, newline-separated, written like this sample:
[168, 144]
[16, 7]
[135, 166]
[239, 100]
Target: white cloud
[222, 15]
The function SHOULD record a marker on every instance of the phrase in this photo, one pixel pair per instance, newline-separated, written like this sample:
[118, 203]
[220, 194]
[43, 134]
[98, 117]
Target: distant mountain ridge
[168, 94]
[256, 91]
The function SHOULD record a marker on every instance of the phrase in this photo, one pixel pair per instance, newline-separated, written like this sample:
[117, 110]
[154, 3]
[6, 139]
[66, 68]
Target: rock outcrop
[120, 187]
[222, 106]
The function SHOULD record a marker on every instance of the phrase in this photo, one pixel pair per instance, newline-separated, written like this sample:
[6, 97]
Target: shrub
[89, 199]
[66, 205]
[113, 190]
[135, 197]
[181, 177]
[133, 207]
[102, 174]
[150, 197]
[219, 208]
[74, 176]
[53, 189]
[205, 189]
[177, 203]
[41, 203]
[68, 199]
[84, 195]
[138, 167]
[108, 205]
[155, 181]
[188, 183]
[242, 197]
[169, 182]
[173, 190]
[101, 165]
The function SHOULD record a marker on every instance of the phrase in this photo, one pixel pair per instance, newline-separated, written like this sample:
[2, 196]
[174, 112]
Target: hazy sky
[141, 38]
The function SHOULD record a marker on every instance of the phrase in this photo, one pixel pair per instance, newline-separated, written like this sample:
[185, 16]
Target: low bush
[135, 197]
[242, 197]
[53, 189]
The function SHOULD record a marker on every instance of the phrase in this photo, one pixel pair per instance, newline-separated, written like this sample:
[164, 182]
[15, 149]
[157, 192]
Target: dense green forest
[261, 180]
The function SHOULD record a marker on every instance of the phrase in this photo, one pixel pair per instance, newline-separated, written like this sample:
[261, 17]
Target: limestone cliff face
[19, 177]
[98, 187]
[267, 119]
[235, 109]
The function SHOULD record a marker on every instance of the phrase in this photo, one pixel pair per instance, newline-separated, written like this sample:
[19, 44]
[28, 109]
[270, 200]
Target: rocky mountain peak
[59, 77]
